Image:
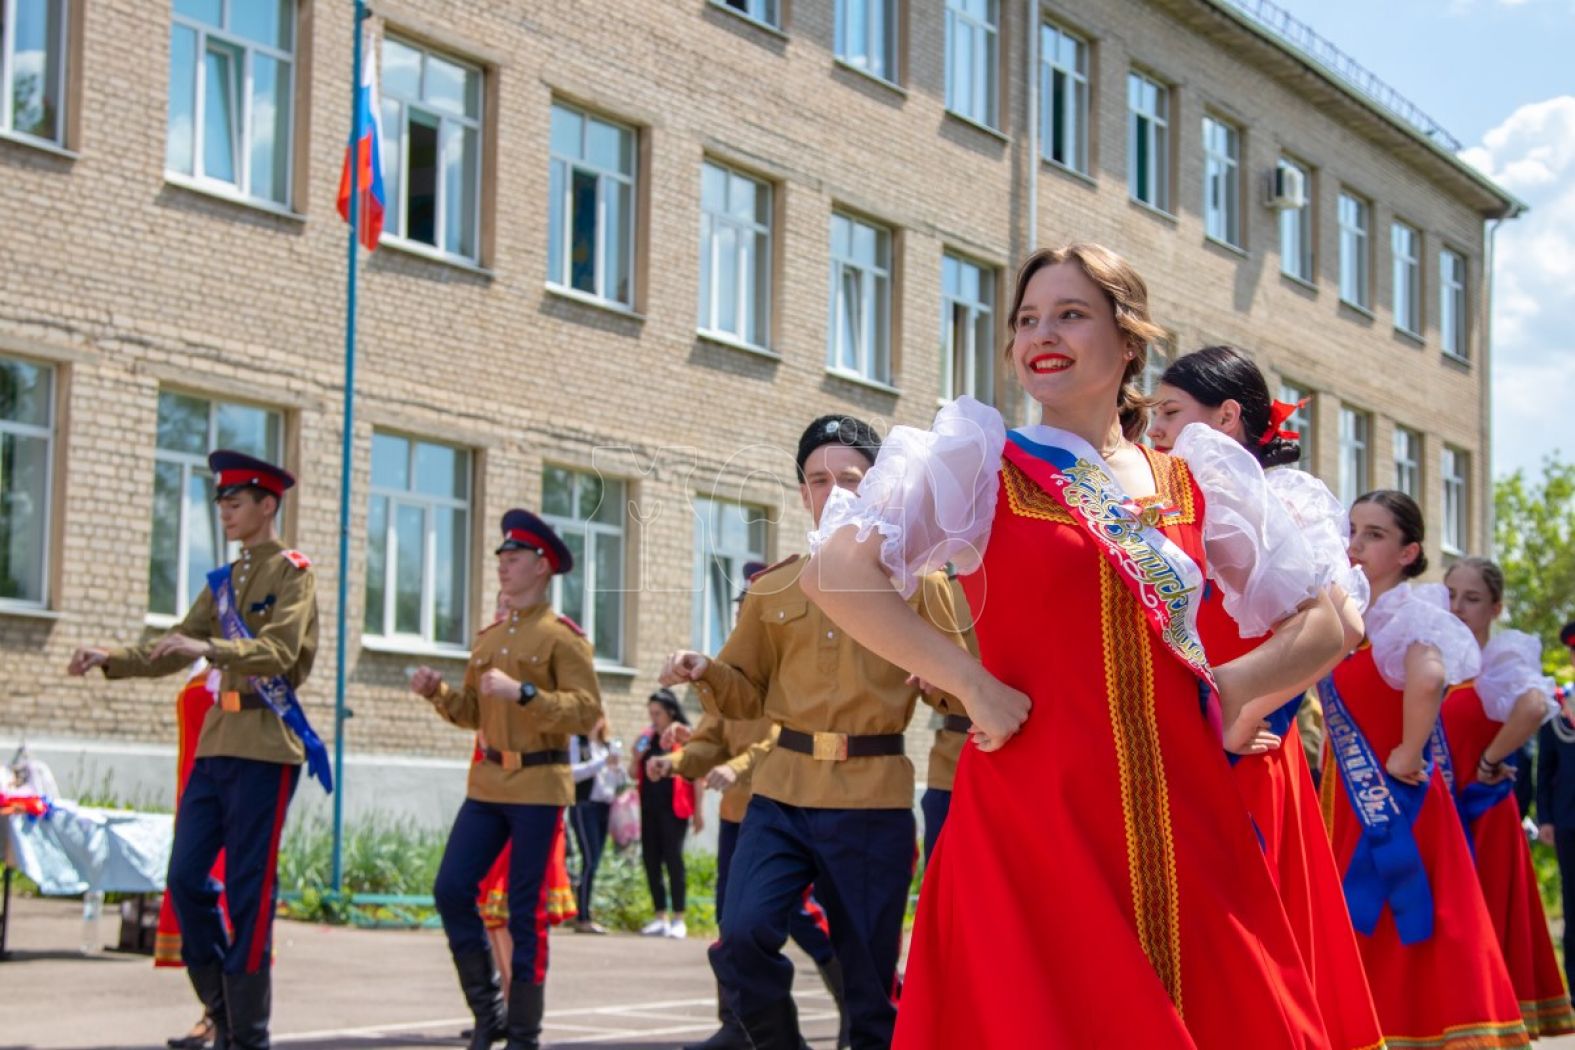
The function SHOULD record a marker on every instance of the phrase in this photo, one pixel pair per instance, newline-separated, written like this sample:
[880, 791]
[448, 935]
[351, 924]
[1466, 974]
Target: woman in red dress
[1432, 959]
[1486, 721]
[1104, 820]
[1219, 387]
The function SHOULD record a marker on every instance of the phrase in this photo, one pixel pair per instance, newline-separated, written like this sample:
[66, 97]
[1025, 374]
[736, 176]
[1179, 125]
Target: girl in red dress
[1093, 804]
[1432, 959]
[1486, 721]
[1219, 387]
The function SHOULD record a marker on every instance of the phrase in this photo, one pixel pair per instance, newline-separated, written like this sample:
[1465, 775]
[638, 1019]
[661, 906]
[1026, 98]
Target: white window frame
[1356, 438]
[1152, 127]
[564, 280]
[876, 22]
[1408, 462]
[1454, 307]
[428, 504]
[979, 100]
[1405, 245]
[46, 432]
[873, 353]
[1356, 282]
[1072, 115]
[1298, 260]
[1454, 473]
[750, 237]
[590, 531]
[243, 163]
[1300, 421]
[977, 313]
[765, 12]
[1222, 181]
[8, 73]
[708, 549]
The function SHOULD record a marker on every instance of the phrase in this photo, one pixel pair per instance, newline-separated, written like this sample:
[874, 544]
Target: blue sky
[1497, 74]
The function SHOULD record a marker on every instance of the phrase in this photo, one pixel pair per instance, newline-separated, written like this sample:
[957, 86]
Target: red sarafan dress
[492, 898]
[1473, 714]
[1099, 883]
[1450, 990]
[191, 707]
[1277, 787]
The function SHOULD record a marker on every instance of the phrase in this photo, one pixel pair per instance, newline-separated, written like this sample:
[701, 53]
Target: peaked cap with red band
[524, 531]
[233, 471]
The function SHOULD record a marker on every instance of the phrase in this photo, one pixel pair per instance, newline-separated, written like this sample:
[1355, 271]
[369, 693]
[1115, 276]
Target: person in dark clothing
[667, 804]
[1556, 798]
[593, 761]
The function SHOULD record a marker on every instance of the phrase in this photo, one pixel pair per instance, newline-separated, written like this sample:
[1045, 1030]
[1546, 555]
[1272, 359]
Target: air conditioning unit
[1287, 189]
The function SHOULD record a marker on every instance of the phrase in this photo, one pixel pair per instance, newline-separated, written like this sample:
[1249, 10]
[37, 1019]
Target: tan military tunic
[277, 599]
[719, 741]
[530, 645]
[948, 745]
[787, 661]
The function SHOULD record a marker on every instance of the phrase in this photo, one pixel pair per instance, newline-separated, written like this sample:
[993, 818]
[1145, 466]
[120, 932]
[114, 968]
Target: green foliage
[1547, 867]
[1534, 534]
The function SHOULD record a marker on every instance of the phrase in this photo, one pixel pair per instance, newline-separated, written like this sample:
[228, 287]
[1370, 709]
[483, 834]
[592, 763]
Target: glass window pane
[841, 236]
[182, 100]
[164, 550]
[707, 247]
[183, 423]
[376, 562]
[221, 105]
[608, 497]
[572, 596]
[609, 596]
[727, 279]
[410, 544]
[441, 470]
[607, 146]
[713, 188]
[393, 166]
[615, 235]
[401, 70]
[270, 143]
[35, 75]
[245, 428]
[264, 21]
[202, 10]
[582, 224]
[568, 129]
[557, 492]
[24, 393]
[390, 462]
[421, 177]
[449, 573]
[204, 540]
[741, 198]
[24, 515]
[460, 166]
[444, 87]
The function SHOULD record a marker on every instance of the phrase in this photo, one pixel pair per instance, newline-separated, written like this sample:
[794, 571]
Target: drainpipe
[1487, 377]
[1032, 23]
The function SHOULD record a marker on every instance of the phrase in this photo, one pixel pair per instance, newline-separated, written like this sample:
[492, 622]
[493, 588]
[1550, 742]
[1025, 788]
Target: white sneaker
[657, 927]
[677, 930]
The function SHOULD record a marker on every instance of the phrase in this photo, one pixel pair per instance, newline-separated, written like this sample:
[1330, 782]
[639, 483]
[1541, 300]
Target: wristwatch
[527, 693]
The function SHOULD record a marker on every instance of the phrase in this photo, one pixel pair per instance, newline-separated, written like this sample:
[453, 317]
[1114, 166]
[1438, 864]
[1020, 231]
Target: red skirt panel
[191, 707]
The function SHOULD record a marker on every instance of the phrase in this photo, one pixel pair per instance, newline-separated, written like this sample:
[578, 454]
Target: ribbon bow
[1279, 412]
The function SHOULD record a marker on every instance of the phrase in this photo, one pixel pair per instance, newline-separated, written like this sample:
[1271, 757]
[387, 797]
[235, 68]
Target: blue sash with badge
[276, 692]
[1476, 798]
[1387, 865]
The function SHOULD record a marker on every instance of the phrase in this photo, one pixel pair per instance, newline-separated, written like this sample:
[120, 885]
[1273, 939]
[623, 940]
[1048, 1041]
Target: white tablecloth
[75, 849]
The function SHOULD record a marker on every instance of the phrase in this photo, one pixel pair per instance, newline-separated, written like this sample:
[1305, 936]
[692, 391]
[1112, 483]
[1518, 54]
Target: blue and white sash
[276, 692]
[1387, 865]
[1476, 798]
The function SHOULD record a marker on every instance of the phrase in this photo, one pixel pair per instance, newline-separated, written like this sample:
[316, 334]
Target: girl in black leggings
[666, 806]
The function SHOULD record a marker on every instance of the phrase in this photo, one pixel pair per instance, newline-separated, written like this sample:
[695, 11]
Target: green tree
[1534, 534]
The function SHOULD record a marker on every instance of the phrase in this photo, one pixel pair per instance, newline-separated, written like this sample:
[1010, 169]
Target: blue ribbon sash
[1475, 798]
[276, 692]
[1387, 866]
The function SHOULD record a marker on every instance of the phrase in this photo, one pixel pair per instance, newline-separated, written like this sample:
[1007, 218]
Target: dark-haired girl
[1428, 945]
[1486, 721]
[1220, 388]
[667, 804]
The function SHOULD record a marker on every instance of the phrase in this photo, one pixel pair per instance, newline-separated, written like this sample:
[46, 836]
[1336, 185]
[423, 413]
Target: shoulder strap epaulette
[489, 627]
[571, 625]
[296, 558]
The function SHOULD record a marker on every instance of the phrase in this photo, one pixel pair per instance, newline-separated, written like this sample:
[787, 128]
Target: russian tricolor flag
[367, 148]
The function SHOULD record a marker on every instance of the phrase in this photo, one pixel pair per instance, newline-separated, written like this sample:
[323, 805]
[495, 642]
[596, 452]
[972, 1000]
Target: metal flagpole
[347, 457]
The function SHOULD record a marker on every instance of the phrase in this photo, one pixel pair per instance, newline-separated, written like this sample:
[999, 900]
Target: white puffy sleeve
[1511, 668]
[931, 494]
[1326, 527]
[1255, 553]
[1407, 616]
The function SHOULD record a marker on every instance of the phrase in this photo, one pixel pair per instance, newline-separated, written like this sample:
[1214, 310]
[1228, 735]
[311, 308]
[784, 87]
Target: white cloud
[1532, 155]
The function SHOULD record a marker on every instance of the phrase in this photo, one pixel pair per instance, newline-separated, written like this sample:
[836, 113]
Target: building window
[1354, 429]
[1148, 141]
[1452, 303]
[1154, 366]
[763, 11]
[735, 255]
[232, 90]
[860, 295]
[1408, 462]
[1405, 243]
[1063, 97]
[418, 541]
[33, 69]
[727, 537]
[431, 108]
[27, 440]
[1354, 252]
[188, 540]
[587, 510]
[1296, 225]
[967, 329]
[590, 228]
[972, 47]
[1300, 421]
[1457, 531]
[1222, 181]
[867, 36]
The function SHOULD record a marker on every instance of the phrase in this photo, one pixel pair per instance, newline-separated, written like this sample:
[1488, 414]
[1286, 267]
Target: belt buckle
[513, 760]
[831, 747]
[230, 700]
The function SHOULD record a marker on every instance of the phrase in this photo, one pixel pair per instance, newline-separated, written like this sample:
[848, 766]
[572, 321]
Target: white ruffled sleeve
[931, 494]
[1255, 552]
[1511, 668]
[1325, 526]
[1407, 616]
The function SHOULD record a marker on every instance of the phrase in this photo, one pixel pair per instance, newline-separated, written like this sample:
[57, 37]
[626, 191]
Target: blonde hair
[1127, 295]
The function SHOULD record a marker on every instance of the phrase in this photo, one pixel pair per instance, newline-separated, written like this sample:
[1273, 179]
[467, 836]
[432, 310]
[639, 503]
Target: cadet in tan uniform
[833, 800]
[257, 623]
[951, 733]
[530, 685]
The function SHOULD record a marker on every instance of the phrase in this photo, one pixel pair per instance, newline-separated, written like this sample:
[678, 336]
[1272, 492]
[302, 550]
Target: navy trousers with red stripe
[237, 805]
[479, 834]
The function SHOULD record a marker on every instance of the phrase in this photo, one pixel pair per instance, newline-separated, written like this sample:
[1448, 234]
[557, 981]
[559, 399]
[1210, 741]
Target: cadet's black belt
[524, 759]
[957, 723]
[232, 701]
[836, 747]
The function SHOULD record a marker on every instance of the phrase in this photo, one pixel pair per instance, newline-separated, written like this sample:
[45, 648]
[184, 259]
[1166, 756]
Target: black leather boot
[527, 1002]
[478, 980]
[249, 999]
[775, 1027]
[831, 973]
[731, 1036]
[208, 983]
